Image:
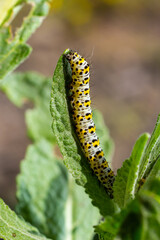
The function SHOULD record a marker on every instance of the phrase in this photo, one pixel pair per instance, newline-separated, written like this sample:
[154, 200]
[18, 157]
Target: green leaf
[124, 185]
[154, 173]
[108, 229]
[13, 227]
[45, 198]
[28, 86]
[38, 122]
[139, 220]
[13, 49]
[84, 214]
[151, 153]
[74, 158]
[144, 221]
[24, 87]
[42, 190]
[11, 54]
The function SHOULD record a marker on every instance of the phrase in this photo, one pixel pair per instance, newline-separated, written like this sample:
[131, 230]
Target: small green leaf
[42, 190]
[11, 54]
[124, 185]
[74, 158]
[13, 49]
[152, 152]
[13, 227]
[154, 173]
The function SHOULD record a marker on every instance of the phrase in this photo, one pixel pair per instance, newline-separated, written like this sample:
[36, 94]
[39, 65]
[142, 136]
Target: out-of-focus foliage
[80, 12]
[21, 88]
[6, 9]
[42, 199]
[13, 47]
[77, 12]
[32, 87]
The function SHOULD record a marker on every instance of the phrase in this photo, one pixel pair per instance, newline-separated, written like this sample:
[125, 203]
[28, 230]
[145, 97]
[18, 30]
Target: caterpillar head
[68, 55]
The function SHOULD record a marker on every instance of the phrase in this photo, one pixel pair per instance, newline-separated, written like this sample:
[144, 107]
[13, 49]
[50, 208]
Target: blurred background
[121, 41]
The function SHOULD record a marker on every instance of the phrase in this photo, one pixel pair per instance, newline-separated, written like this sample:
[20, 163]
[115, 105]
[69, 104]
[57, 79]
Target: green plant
[51, 204]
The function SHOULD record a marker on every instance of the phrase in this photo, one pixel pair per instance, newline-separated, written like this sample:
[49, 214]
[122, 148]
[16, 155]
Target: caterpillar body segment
[79, 96]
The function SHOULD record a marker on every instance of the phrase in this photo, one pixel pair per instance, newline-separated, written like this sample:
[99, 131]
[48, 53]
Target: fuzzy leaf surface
[70, 148]
[42, 199]
[13, 227]
[124, 185]
[154, 173]
[49, 201]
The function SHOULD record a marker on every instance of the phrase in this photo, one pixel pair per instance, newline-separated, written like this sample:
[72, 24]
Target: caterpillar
[79, 98]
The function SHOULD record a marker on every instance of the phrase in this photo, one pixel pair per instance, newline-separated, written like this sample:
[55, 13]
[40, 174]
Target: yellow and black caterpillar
[82, 115]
